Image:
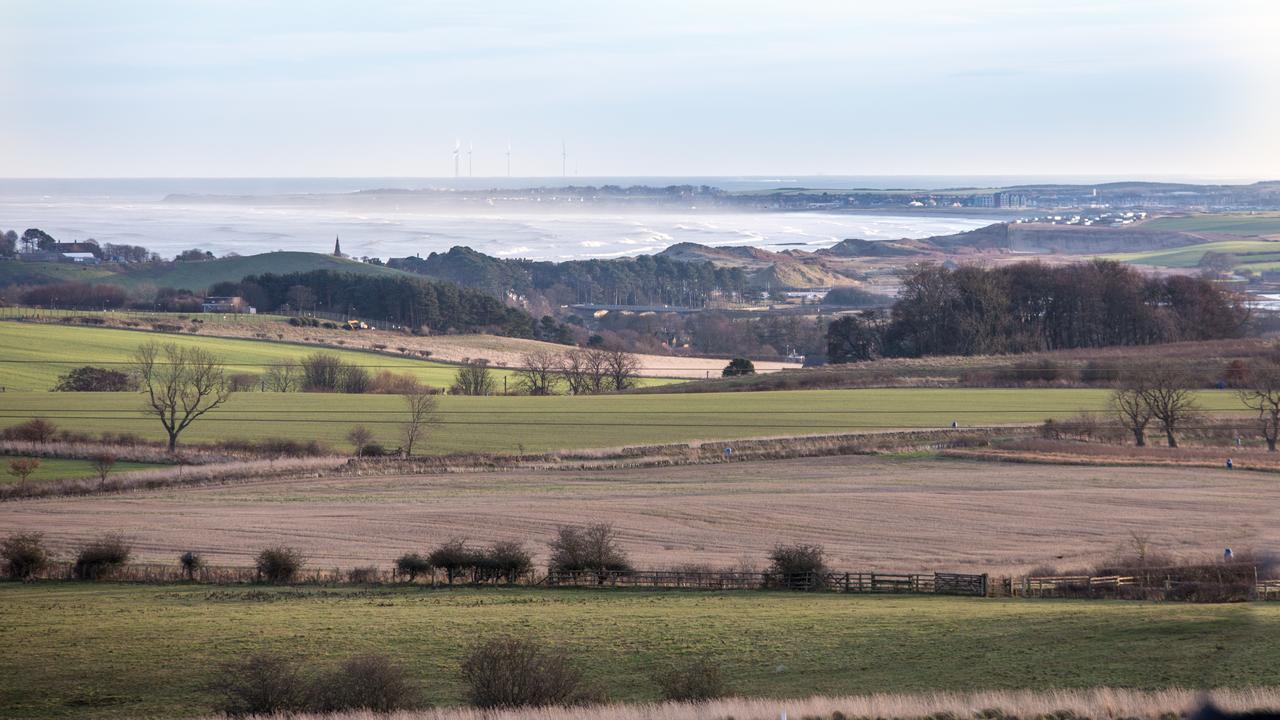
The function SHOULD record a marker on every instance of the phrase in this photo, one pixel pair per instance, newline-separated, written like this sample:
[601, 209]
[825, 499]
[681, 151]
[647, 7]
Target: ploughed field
[510, 424]
[116, 650]
[878, 513]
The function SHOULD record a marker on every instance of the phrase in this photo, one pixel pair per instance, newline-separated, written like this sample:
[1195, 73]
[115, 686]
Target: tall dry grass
[1097, 703]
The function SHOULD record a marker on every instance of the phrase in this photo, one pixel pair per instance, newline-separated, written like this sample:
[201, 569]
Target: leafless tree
[473, 378]
[22, 468]
[621, 368]
[1169, 396]
[584, 370]
[1262, 394]
[1129, 403]
[182, 384]
[539, 372]
[423, 414]
[360, 437]
[283, 377]
[102, 464]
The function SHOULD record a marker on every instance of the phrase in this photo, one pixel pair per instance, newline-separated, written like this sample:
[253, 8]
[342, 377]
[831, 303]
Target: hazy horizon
[238, 89]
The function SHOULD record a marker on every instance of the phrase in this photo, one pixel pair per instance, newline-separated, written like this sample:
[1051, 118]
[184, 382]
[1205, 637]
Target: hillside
[1065, 239]
[194, 276]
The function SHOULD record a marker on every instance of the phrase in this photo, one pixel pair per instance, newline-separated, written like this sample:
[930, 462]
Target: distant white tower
[564, 160]
[457, 147]
[508, 158]
[471, 148]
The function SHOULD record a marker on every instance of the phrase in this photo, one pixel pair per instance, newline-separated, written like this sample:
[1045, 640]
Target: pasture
[1247, 253]
[1226, 223]
[67, 469]
[101, 650]
[879, 513]
[515, 423]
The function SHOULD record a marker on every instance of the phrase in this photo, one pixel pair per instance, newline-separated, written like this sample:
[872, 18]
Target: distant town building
[86, 258]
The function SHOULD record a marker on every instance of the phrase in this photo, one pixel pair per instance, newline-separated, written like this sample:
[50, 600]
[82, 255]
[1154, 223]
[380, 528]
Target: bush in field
[37, 430]
[370, 682]
[738, 366]
[517, 672]
[453, 557]
[278, 564]
[593, 548]
[1100, 372]
[261, 684]
[191, 563]
[95, 379]
[100, 556]
[22, 468]
[504, 560]
[363, 575]
[797, 565]
[412, 565]
[24, 555]
[697, 681]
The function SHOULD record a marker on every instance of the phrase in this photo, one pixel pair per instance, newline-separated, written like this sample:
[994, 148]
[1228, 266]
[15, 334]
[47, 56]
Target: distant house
[75, 247]
[228, 304]
[86, 258]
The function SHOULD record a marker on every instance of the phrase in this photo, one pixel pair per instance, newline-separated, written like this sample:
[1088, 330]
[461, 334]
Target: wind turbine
[471, 147]
[564, 160]
[508, 158]
[457, 146]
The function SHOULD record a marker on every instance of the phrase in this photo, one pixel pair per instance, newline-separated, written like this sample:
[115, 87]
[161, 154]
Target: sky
[253, 88]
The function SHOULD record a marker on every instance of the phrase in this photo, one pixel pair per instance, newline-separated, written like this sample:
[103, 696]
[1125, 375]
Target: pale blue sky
[370, 88]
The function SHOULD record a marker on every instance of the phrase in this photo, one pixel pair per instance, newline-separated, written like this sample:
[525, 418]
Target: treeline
[419, 304]
[1029, 307]
[643, 280]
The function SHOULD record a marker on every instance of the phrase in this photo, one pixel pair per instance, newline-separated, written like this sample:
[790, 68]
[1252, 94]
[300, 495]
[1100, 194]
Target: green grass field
[32, 356]
[1231, 223]
[74, 650]
[66, 469]
[559, 422]
[195, 276]
[1246, 251]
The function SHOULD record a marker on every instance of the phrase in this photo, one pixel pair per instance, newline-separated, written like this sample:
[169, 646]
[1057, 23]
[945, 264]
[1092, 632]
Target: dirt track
[888, 514]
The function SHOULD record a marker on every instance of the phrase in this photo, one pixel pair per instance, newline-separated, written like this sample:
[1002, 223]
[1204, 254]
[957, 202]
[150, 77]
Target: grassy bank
[67, 469]
[121, 650]
[560, 422]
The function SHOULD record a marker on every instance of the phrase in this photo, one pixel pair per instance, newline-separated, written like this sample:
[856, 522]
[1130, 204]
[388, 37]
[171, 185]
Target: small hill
[734, 255]
[859, 248]
[187, 275]
[1065, 239]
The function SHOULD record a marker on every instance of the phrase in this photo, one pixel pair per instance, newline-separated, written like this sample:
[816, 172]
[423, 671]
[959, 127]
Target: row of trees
[579, 371]
[1027, 307]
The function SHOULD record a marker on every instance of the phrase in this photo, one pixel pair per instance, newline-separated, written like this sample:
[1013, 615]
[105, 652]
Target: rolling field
[498, 424]
[32, 356]
[67, 469]
[80, 650]
[1247, 252]
[1227, 223]
[877, 513]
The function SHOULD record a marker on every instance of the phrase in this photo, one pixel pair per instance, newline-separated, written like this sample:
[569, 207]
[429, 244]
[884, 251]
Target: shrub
[453, 557]
[355, 380]
[261, 684]
[366, 574]
[278, 564]
[22, 468]
[243, 382]
[37, 430]
[797, 566]
[1100, 372]
[24, 555]
[412, 565]
[369, 682]
[95, 379]
[191, 563]
[593, 548]
[100, 556]
[698, 681]
[504, 560]
[738, 366]
[517, 672]
[393, 383]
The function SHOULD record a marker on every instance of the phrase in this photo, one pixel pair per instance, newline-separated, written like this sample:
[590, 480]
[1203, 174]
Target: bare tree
[1169, 397]
[22, 468]
[585, 370]
[1129, 403]
[102, 464]
[423, 415]
[539, 372]
[283, 377]
[360, 437]
[182, 384]
[473, 378]
[1263, 395]
[621, 368]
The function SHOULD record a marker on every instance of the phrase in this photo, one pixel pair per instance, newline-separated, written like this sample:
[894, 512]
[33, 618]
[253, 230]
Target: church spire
[337, 247]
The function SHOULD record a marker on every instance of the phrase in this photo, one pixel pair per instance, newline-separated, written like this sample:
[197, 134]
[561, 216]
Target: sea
[239, 215]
